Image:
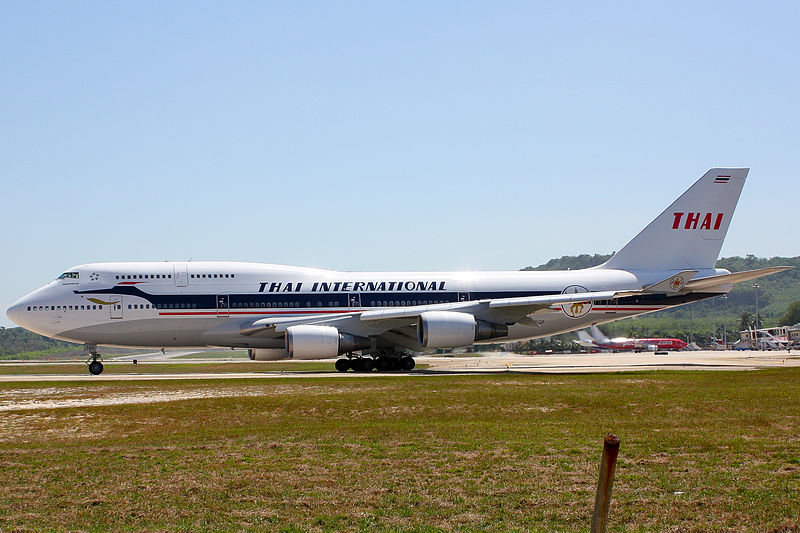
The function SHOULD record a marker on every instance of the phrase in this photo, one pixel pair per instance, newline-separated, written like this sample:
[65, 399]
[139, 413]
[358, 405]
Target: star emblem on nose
[94, 277]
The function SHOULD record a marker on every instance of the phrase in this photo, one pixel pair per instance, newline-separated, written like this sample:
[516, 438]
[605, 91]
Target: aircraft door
[354, 300]
[223, 305]
[181, 275]
[463, 296]
[116, 308]
[610, 306]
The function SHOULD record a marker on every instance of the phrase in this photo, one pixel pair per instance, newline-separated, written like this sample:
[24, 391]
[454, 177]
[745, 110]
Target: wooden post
[603, 499]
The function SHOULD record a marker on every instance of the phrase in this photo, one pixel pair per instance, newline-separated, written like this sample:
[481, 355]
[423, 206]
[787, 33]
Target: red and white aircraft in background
[594, 338]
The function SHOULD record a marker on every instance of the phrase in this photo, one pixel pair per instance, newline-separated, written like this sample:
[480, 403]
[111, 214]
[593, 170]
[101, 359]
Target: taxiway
[487, 363]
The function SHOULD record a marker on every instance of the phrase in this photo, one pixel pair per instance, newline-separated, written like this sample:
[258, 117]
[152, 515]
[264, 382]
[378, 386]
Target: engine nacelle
[266, 354]
[489, 330]
[450, 329]
[321, 342]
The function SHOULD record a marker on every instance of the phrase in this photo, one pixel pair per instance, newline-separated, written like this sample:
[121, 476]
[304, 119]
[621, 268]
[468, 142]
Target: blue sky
[381, 136]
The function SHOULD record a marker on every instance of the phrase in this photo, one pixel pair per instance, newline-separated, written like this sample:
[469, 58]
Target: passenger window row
[144, 276]
[63, 307]
[211, 276]
[401, 303]
[379, 303]
[270, 304]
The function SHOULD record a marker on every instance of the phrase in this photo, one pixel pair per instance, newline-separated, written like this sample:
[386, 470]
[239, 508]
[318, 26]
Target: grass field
[701, 451]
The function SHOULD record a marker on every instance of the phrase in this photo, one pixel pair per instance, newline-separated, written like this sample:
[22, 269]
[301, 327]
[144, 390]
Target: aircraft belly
[157, 332]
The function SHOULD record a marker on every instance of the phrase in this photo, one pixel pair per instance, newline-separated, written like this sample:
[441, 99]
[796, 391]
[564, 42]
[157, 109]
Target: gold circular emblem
[576, 309]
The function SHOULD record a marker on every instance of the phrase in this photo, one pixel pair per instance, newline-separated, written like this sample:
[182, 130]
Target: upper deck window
[69, 275]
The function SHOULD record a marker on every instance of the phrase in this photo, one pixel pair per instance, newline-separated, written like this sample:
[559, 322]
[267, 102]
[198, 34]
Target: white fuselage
[198, 304]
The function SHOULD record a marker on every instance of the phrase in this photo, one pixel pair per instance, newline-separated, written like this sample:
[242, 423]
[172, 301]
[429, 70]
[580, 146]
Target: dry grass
[700, 451]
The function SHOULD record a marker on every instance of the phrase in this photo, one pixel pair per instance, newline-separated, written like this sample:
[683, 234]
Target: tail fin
[598, 335]
[689, 233]
[584, 337]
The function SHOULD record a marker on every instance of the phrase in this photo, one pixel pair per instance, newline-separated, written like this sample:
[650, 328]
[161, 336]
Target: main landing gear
[382, 363]
[95, 360]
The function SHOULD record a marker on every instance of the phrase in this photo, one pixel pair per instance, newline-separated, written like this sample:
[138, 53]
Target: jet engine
[266, 354]
[321, 342]
[449, 329]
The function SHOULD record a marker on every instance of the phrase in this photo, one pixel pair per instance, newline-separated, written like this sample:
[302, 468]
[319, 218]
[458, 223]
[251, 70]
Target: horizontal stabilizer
[725, 279]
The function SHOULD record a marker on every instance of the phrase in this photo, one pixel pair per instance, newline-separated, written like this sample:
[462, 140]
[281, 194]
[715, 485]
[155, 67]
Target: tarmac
[472, 364]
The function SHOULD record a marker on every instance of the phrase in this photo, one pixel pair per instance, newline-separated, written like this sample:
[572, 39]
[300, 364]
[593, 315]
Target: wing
[397, 326]
[506, 311]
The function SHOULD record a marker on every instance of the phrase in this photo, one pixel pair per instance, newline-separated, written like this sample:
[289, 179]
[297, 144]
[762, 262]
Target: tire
[407, 363]
[342, 365]
[382, 364]
[95, 368]
[367, 364]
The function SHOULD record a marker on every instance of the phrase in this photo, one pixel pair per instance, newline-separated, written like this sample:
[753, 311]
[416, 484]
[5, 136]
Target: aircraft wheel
[342, 365]
[367, 364]
[407, 363]
[382, 364]
[95, 368]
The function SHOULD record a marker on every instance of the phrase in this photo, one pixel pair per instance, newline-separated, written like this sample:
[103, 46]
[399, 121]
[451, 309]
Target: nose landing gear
[95, 360]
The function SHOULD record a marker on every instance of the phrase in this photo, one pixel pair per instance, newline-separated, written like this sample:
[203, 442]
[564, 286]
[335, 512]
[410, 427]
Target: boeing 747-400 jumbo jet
[378, 319]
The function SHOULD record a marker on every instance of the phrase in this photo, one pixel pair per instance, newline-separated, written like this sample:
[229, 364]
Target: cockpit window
[69, 275]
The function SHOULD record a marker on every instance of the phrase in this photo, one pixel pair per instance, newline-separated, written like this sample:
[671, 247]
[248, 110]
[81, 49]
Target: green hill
[19, 343]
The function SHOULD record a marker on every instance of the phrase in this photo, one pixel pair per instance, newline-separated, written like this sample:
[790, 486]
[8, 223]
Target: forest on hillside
[19, 343]
[18, 340]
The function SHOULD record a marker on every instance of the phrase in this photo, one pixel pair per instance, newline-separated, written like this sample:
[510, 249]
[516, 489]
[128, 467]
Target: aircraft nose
[15, 313]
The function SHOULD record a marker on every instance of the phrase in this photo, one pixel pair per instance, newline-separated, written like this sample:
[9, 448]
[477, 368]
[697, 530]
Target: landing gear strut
[95, 360]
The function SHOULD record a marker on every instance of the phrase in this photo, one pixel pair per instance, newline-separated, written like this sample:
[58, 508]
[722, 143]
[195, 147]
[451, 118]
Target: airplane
[379, 320]
[594, 338]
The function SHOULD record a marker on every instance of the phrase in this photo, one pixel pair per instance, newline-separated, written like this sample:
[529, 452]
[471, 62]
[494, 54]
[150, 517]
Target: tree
[792, 315]
[745, 321]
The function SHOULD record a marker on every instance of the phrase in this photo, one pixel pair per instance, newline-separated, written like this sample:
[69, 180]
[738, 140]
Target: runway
[487, 363]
